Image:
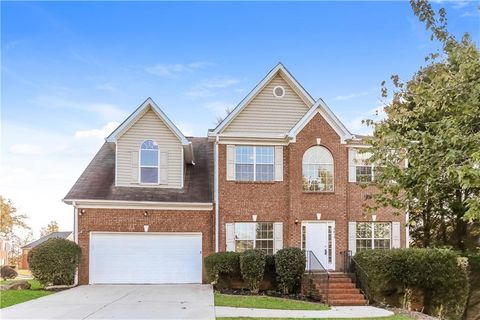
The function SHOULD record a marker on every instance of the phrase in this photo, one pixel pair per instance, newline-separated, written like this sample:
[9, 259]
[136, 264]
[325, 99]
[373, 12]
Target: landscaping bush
[252, 267]
[55, 261]
[222, 263]
[290, 267]
[439, 277]
[7, 272]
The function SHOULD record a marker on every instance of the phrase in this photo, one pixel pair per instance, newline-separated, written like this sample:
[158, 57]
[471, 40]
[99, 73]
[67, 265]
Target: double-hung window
[254, 235]
[363, 168]
[149, 162]
[254, 163]
[373, 235]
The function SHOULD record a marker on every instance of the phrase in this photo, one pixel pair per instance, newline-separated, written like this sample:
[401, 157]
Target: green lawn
[11, 297]
[264, 302]
[394, 317]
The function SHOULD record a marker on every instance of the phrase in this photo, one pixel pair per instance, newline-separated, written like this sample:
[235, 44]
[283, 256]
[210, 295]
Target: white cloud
[172, 70]
[356, 125]
[109, 87]
[219, 107]
[97, 133]
[105, 110]
[356, 94]
[26, 149]
[207, 87]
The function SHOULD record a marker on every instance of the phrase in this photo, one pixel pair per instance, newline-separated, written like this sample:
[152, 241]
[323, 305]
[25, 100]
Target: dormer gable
[150, 150]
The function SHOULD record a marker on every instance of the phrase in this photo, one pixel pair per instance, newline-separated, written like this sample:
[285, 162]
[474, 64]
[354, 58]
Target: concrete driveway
[192, 301]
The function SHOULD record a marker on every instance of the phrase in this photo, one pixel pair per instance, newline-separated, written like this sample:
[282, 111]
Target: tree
[433, 124]
[9, 217]
[50, 228]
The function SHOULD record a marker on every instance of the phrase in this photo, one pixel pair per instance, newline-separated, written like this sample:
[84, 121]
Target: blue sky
[71, 71]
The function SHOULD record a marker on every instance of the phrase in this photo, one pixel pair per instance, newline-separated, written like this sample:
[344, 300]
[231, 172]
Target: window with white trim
[363, 169]
[373, 235]
[254, 163]
[254, 235]
[317, 169]
[149, 162]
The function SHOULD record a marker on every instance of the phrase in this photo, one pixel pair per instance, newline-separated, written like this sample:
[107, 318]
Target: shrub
[7, 272]
[252, 266]
[440, 276]
[222, 263]
[290, 267]
[55, 261]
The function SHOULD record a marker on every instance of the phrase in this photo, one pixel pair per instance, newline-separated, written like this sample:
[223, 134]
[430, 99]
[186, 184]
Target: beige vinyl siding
[267, 114]
[149, 126]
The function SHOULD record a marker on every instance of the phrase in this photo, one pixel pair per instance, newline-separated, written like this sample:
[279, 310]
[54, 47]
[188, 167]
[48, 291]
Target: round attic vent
[278, 91]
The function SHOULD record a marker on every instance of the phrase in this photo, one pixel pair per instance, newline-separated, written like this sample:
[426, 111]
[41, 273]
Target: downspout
[215, 191]
[75, 236]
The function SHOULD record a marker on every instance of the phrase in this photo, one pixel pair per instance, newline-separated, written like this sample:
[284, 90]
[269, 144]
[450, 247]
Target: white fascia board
[279, 67]
[328, 115]
[120, 204]
[132, 118]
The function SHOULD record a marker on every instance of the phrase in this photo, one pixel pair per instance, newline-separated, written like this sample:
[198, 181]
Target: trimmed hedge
[252, 266]
[290, 267]
[438, 276]
[222, 263]
[55, 261]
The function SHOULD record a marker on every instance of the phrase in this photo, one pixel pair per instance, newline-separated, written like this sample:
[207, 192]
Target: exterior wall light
[145, 213]
[296, 221]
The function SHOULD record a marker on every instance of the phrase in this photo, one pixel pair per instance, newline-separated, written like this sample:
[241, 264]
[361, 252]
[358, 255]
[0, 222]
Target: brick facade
[286, 201]
[133, 220]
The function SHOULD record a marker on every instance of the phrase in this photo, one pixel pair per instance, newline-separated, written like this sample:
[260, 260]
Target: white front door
[145, 258]
[320, 239]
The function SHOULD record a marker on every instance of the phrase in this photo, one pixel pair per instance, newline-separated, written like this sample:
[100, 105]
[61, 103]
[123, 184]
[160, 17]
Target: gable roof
[60, 234]
[127, 123]
[321, 107]
[279, 68]
[97, 182]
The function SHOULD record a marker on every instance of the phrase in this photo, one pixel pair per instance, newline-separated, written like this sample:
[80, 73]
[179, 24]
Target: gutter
[75, 237]
[215, 188]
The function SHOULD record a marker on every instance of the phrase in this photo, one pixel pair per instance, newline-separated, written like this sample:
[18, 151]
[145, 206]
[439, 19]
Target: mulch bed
[414, 314]
[269, 293]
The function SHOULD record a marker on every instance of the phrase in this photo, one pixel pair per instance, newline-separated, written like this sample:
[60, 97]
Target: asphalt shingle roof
[98, 180]
[60, 234]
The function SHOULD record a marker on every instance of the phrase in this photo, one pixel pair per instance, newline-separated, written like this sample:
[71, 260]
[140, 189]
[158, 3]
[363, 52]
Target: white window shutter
[164, 167]
[278, 163]
[230, 162]
[395, 235]
[230, 236]
[352, 173]
[352, 237]
[134, 166]
[277, 236]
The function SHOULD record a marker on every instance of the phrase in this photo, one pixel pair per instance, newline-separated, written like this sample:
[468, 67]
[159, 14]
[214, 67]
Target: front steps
[341, 289]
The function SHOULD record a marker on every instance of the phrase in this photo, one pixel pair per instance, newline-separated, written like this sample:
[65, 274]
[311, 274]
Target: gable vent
[279, 91]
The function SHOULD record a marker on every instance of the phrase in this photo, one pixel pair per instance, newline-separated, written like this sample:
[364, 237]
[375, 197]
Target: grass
[264, 302]
[11, 297]
[394, 317]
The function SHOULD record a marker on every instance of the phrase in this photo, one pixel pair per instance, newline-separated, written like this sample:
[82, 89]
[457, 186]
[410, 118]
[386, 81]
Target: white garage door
[145, 258]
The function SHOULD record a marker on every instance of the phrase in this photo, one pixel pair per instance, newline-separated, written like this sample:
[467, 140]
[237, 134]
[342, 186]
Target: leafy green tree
[433, 124]
[9, 217]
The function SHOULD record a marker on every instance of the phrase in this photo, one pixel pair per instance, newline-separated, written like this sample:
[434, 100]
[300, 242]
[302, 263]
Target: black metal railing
[359, 274]
[315, 269]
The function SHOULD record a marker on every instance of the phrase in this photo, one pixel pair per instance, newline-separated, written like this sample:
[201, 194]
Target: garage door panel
[145, 258]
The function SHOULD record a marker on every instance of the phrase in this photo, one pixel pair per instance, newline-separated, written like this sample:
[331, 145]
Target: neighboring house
[4, 247]
[281, 170]
[23, 263]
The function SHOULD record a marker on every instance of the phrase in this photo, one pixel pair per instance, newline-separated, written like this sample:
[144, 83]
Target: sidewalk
[334, 312]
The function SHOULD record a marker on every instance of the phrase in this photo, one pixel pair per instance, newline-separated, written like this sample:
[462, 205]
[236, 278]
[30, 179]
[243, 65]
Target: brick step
[348, 302]
[339, 275]
[340, 285]
[345, 296]
[338, 280]
[343, 290]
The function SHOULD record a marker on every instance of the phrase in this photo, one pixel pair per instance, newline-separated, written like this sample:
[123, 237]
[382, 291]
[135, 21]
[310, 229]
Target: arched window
[317, 168]
[149, 162]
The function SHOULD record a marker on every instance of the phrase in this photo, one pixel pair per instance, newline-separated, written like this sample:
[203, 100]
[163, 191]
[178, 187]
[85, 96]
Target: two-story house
[280, 170]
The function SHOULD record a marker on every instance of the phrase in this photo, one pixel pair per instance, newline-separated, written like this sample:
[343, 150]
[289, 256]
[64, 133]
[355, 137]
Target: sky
[70, 72]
